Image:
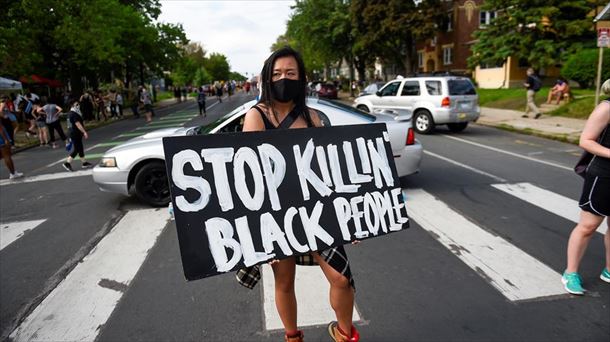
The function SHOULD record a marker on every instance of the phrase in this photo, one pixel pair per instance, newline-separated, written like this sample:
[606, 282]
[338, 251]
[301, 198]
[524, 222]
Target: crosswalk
[86, 298]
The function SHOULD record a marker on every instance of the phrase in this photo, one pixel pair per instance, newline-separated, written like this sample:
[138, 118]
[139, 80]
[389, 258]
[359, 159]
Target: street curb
[529, 131]
[25, 148]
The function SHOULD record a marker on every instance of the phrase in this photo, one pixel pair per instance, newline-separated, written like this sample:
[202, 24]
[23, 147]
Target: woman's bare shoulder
[253, 121]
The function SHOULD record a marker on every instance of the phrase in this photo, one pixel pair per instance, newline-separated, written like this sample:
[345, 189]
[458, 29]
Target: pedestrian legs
[580, 237]
[531, 103]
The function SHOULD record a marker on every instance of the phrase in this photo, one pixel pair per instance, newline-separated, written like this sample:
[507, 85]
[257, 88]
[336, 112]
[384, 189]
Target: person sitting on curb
[560, 89]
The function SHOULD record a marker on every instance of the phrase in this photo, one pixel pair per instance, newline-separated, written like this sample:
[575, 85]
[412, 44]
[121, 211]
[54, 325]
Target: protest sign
[242, 199]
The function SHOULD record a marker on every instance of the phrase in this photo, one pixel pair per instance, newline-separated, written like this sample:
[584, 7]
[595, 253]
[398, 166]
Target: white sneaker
[15, 175]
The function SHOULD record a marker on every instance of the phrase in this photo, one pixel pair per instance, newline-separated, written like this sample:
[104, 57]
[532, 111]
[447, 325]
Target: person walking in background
[76, 130]
[5, 147]
[52, 112]
[595, 199]
[218, 87]
[114, 114]
[8, 120]
[147, 102]
[201, 101]
[26, 107]
[119, 104]
[41, 118]
[100, 106]
[87, 105]
[134, 99]
[532, 85]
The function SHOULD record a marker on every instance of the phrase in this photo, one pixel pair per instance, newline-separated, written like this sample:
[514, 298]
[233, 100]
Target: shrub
[582, 67]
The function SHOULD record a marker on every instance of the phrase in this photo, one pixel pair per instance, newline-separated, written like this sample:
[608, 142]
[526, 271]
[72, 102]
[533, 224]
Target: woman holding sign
[282, 105]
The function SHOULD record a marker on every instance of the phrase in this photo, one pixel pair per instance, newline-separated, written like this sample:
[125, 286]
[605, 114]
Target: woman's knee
[340, 281]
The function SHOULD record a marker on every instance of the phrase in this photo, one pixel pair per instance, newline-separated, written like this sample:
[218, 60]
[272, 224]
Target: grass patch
[515, 99]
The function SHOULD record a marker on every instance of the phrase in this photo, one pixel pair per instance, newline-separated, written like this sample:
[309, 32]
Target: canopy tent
[8, 84]
[37, 79]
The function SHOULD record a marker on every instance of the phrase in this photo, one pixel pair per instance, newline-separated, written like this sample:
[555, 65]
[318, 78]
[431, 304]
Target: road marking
[167, 122]
[12, 231]
[311, 288]
[516, 274]
[176, 117]
[143, 128]
[111, 143]
[547, 200]
[509, 153]
[130, 134]
[46, 177]
[498, 179]
[88, 156]
[77, 308]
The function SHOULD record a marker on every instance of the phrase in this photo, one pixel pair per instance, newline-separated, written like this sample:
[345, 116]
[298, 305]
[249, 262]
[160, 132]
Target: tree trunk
[141, 73]
[76, 81]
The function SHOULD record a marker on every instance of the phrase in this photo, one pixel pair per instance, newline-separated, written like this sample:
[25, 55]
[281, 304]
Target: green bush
[582, 67]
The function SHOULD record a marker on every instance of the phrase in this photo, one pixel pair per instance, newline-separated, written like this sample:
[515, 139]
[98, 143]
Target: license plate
[464, 105]
[462, 116]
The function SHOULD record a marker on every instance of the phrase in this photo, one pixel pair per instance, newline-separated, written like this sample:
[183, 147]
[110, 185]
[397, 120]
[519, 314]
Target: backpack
[537, 84]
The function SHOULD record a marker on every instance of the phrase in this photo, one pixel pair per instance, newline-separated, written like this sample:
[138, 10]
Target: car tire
[423, 122]
[363, 108]
[457, 127]
[151, 185]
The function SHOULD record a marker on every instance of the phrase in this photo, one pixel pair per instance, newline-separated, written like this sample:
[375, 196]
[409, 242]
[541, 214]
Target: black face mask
[285, 90]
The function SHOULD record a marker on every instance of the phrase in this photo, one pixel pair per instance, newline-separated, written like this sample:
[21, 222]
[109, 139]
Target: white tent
[8, 84]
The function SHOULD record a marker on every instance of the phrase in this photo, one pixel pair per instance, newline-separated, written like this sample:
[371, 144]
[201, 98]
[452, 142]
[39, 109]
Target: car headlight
[108, 162]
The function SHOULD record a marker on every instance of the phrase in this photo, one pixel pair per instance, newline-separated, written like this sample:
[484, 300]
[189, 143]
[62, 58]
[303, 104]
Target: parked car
[137, 167]
[327, 90]
[435, 100]
[371, 88]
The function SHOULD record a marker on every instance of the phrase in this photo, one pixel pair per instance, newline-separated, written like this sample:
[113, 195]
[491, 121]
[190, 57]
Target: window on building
[450, 22]
[447, 55]
[410, 88]
[434, 87]
[420, 59]
[486, 17]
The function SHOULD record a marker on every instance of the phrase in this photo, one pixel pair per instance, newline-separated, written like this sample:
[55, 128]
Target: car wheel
[422, 122]
[151, 185]
[457, 127]
[363, 108]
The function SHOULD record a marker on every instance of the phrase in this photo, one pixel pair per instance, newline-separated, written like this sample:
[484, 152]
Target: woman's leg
[580, 237]
[285, 299]
[5, 151]
[607, 244]
[51, 128]
[341, 294]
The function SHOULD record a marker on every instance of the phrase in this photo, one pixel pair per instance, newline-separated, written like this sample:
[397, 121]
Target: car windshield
[349, 109]
[461, 87]
[209, 127]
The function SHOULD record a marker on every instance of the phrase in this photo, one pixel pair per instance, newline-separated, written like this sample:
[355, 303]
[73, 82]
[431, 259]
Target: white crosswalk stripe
[12, 231]
[84, 300]
[523, 278]
[547, 200]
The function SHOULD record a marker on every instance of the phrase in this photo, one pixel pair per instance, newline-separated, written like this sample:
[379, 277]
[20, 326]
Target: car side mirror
[378, 93]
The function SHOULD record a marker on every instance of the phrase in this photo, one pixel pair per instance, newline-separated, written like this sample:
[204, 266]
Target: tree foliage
[218, 66]
[94, 39]
[582, 67]
[543, 32]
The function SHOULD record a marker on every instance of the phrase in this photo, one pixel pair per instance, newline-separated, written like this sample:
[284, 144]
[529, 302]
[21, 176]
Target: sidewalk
[550, 127]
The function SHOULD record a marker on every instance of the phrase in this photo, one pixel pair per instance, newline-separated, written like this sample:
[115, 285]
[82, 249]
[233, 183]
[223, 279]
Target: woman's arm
[253, 121]
[82, 129]
[597, 122]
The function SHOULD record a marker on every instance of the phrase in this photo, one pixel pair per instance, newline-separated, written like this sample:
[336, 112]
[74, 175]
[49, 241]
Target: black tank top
[288, 120]
[600, 166]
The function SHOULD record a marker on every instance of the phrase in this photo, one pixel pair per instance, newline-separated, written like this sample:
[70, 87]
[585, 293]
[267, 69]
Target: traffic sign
[603, 37]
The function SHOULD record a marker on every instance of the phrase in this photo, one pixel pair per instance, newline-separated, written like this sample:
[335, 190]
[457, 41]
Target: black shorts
[595, 196]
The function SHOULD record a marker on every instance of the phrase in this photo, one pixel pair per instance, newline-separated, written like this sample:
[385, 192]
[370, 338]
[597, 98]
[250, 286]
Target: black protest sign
[242, 199]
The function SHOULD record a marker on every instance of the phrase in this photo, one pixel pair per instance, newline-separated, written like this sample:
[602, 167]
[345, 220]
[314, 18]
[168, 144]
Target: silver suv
[434, 100]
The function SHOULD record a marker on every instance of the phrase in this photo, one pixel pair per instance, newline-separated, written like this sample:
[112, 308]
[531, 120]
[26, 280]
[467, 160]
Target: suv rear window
[461, 87]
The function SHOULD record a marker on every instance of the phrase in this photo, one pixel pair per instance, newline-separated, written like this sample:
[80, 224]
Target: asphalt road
[491, 274]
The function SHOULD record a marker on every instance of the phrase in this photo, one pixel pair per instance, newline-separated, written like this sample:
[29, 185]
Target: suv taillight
[410, 137]
[446, 102]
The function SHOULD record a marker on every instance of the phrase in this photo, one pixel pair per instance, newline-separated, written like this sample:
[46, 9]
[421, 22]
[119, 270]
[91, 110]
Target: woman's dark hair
[267, 76]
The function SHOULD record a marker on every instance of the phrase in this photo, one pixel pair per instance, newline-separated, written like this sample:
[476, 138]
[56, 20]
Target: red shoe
[338, 335]
[297, 338]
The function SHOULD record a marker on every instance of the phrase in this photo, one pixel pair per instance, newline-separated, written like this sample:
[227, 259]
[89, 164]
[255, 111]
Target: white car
[138, 165]
[434, 100]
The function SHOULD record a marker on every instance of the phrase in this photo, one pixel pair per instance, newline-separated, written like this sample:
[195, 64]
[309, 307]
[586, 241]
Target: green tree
[237, 76]
[390, 28]
[218, 66]
[582, 67]
[542, 32]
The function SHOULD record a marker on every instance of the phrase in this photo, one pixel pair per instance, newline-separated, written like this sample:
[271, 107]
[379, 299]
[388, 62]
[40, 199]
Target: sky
[243, 31]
